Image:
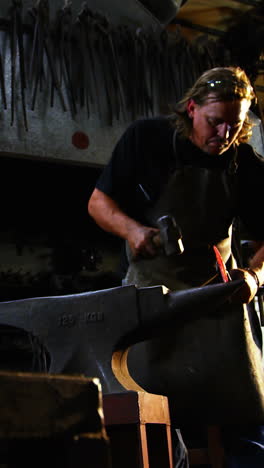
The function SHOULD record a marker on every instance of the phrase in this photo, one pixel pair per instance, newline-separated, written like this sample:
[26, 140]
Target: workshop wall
[74, 76]
[54, 132]
[45, 121]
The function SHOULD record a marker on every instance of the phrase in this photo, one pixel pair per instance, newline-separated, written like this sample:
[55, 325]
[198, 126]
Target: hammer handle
[156, 239]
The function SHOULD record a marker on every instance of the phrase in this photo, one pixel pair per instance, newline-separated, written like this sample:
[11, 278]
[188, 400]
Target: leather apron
[200, 365]
[202, 201]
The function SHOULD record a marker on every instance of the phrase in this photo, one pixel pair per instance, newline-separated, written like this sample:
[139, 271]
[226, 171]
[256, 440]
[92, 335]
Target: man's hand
[140, 240]
[247, 293]
[108, 215]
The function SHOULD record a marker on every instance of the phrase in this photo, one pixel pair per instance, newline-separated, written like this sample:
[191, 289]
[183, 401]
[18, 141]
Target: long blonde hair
[226, 84]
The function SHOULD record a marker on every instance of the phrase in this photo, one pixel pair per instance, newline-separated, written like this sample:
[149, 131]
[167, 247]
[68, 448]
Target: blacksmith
[196, 166]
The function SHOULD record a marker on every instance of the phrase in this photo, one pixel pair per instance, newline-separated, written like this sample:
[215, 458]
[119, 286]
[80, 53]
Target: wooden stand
[138, 426]
[139, 429]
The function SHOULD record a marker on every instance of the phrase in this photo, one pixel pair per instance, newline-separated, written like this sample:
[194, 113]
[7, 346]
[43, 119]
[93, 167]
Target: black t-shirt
[148, 152]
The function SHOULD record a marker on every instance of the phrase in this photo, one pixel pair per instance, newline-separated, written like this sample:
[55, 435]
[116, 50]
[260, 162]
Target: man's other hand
[247, 293]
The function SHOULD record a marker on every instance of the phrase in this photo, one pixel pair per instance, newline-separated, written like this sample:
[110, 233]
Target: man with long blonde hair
[196, 166]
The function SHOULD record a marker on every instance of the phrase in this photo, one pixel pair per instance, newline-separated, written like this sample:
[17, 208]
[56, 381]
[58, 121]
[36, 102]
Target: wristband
[255, 276]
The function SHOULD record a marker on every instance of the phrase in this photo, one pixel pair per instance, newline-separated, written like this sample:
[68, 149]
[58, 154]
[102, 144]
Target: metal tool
[17, 46]
[170, 236]
[41, 46]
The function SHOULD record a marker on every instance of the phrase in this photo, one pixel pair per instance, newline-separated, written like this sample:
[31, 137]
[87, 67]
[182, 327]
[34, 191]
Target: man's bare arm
[108, 215]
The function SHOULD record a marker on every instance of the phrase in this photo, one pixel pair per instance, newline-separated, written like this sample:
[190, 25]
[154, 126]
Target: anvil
[94, 333]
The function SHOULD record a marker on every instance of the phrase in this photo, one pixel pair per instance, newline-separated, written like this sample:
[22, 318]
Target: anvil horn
[183, 306]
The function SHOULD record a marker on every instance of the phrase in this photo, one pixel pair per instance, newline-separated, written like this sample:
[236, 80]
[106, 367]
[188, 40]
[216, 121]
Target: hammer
[170, 236]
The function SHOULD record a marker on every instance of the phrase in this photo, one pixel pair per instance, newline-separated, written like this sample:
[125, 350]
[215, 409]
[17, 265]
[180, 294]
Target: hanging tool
[110, 55]
[63, 45]
[40, 16]
[88, 81]
[17, 45]
[2, 83]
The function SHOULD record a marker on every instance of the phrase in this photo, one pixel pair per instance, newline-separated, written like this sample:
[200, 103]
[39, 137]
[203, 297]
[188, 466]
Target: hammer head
[170, 235]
